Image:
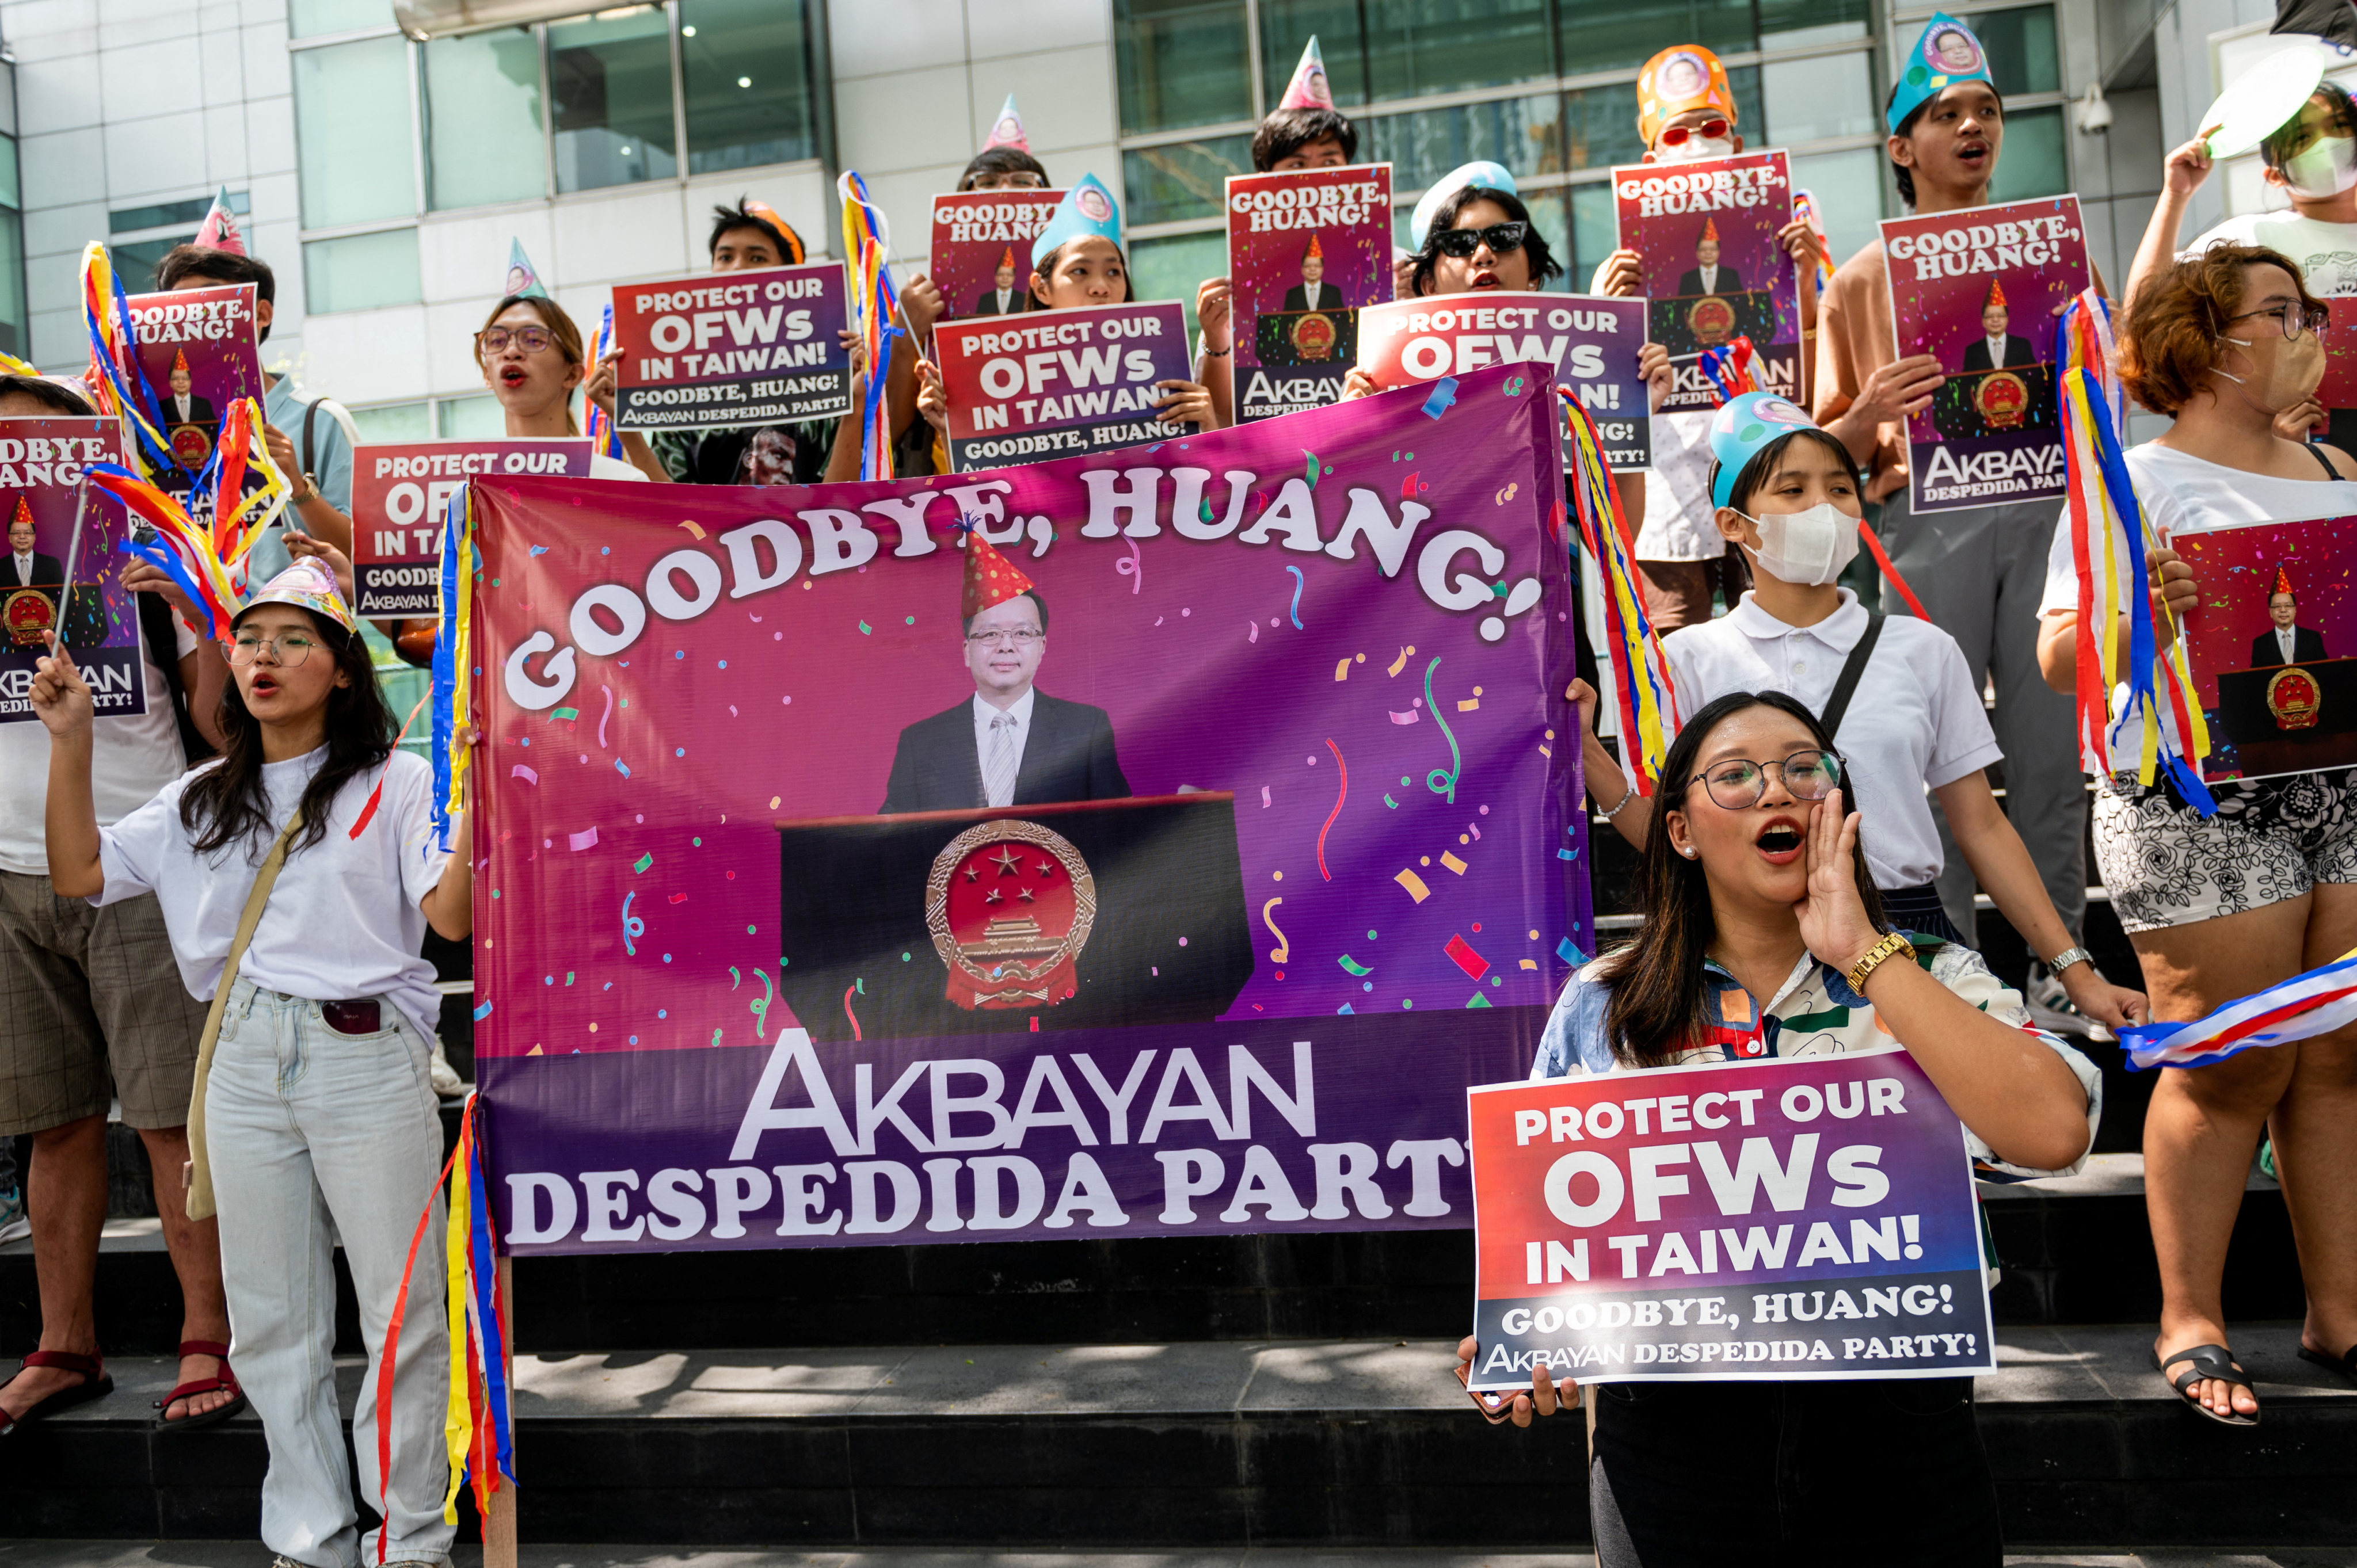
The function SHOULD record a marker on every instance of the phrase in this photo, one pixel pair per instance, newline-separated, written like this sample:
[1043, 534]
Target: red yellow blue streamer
[453, 658]
[1804, 207]
[1729, 367]
[875, 304]
[1644, 698]
[115, 379]
[604, 435]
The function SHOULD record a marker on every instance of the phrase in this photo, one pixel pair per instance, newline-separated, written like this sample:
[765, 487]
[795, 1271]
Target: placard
[2272, 708]
[1059, 381]
[198, 351]
[1705, 233]
[400, 491]
[730, 350]
[41, 463]
[1592, 341]
[1976, 289]
[1306, 251]
[980, 259]
[1809, 1217]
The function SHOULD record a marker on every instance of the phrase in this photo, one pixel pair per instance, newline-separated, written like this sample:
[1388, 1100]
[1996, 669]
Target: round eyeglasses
[532, 339]
[1007, 637]
[287, 650]
[2295, 320]
[1737, 783]
[1677, 135]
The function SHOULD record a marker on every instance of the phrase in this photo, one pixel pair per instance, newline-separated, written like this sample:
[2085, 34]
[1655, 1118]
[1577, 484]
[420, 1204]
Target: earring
[1686, 850]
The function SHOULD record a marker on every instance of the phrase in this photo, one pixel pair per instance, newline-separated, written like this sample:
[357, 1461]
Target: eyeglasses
[1500, 238]
[532, 339]
[288, 648]
[2294, 319]
[1014, 179]
[1012, 636]
[1737, 783]
[1677, 135]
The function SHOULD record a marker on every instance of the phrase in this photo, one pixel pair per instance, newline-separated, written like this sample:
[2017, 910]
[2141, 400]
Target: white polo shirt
[1914, 723]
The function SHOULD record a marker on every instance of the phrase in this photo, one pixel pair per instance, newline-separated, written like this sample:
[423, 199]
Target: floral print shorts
[2273, 838]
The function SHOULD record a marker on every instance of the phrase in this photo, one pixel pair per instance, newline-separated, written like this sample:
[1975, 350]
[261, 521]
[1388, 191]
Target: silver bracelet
[1626, 796]
[2068, 957]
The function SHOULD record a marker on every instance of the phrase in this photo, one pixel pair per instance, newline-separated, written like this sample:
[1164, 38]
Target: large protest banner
[1809, 1217]
[732, 349]
[981, 258]
[1705, 233]
[1300, 717]
[41, 463]
[1306, 251]
[400, 491]
[1058, 382]
[1976, 289]
[2273, 646]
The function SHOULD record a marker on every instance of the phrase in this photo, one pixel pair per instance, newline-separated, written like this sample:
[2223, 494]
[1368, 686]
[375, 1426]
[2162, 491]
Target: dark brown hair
[565, 339]
[1044, 265]
[1001, 160]
[1542, 261]
[2169, 341]
[786, 242]
[203, 263]
[1657, 996]
[1286, 130]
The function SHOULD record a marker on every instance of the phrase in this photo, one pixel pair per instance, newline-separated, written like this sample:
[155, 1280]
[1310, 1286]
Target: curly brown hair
[2169, 341]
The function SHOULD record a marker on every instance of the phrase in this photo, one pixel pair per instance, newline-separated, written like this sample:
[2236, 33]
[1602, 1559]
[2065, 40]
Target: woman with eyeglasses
[1763, 937]
[1896, 690]
[2221, 906]
[531, 358]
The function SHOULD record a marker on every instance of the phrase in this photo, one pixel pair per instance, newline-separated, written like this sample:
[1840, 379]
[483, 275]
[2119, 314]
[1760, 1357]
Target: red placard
[733, 350]
[399, 492]
[974, 232]
[1053, 383]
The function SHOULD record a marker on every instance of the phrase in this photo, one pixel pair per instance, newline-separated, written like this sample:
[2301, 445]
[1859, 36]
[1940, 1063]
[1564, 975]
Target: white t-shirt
[604, 467]
[1914, 723]
[1678, 512]
[131, 759]
[2184, 494]
[2327, 253]
[343, 922]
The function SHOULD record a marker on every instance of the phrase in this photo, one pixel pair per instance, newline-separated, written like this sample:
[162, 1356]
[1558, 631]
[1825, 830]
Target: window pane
[15, 334]
[1172, 268]
[1795, 24]
[1181, 180]
[136, 261]
[1409, 47]
[9, 195]
[483, 120]
[131, 219]
[1183, 62]
[1524, 134]
[318, 19]
[1595, 230]
[1810, 100]
[362, 272]
[394, 422]
[612, 83]
[745, 64]
[1849, 188]
[351, 120]
[2021, 44]
[473, 417]
[1599, 126]
[1609, 34]
[2034, 162]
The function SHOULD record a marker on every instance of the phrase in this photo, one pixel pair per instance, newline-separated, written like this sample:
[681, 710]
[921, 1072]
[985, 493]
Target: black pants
[1776, 1474]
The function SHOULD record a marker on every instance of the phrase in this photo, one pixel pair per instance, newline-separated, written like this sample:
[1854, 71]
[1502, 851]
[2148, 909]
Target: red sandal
[96, 1384]
[223, 1381]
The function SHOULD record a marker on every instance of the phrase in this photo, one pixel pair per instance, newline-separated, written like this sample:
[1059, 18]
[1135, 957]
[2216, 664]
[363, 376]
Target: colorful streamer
[2306, 1006]
[116, 382]
[176, 545]
[604, 435]
[453, 655]
[1804, 207]
[1643, 696]
[1728, 368]
[875, 304]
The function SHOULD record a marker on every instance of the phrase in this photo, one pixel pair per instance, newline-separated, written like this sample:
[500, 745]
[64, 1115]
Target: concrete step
[1217, 1445]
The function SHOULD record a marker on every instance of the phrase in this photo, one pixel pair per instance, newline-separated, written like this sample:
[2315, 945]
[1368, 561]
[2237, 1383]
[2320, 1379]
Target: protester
[1077, 262]
[1005, 162]
[1791, 502]
[531, 358]
[2221, 906]
[1305, 130]
[1756, 903]
[2312, 160]
[311, 440]
[1978, 570]
[315, 1124]
[94, 1013]
[1685, 111]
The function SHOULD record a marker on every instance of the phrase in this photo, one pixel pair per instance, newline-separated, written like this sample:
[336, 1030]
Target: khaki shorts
[91, 1007]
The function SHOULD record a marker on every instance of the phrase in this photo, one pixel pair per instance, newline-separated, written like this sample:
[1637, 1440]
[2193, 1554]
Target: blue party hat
[1088, 210]
[1947, 53]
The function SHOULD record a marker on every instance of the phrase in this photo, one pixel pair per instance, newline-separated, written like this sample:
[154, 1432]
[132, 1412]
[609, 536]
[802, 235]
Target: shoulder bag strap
[199, 1176]
[1853, 670]
[2316, 450]
[310, 418]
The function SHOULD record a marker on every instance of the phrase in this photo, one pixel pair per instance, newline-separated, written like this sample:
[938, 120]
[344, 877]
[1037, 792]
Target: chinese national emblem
[29, 615]
[2002, 400]
[1010, 905]
[2293, 697]
[1711, 320]
[1314, 337]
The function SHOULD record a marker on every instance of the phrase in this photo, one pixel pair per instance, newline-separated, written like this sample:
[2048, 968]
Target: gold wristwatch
[1890, 947]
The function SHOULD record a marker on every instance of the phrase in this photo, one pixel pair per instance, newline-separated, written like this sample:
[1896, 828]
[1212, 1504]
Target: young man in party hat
[1980, 571]
[1005, 162]
[1008, 743]
[1305, 130]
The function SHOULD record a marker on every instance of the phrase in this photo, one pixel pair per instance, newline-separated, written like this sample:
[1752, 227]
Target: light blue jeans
[313, 1134]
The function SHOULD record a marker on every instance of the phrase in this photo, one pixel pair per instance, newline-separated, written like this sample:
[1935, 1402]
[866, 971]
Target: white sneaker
[2050, 1007]
[15, 1224]
[442, 1075]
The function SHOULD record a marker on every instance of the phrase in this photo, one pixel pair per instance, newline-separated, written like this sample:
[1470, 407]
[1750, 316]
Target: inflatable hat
[1742, 427]
[990, 578]
[1088, 208]
[795, 250]
[2283, 574]
[1006, 131]
[306, 584]
[1308, 90]
[1995, 300]
[1686, 76]
[1946, 54]
[219, 230]
[1480, 172]
[1314, 248]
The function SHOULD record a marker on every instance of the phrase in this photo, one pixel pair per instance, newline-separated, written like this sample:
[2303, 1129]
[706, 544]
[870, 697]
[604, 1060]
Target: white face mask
[1694, 149]
[2324, 170]
[1812, 547]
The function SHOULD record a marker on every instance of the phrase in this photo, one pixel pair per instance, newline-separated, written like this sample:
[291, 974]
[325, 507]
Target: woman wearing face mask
[2221, 906]
[1756, 907]
[1894, 692]
[2312, 159]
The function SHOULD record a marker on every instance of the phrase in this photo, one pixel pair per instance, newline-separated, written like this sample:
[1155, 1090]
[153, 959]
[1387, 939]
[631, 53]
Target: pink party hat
[1308, 89]
[1006, 131]
[306, 584]
[220, 231]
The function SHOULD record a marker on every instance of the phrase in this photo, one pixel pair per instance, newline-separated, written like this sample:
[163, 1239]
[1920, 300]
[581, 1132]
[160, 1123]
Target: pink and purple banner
[981, 258]
[41, 493]
[1811, 1218]
[1288, 851]
[1054, 381]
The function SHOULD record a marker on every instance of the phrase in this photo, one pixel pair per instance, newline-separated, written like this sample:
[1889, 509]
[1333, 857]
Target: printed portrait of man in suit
[1007, 743]
[181, 404]
[2286, 641]
[24, 567]
[1706, 276]
[1312, 293]
[1003, 298]
[1996, 349]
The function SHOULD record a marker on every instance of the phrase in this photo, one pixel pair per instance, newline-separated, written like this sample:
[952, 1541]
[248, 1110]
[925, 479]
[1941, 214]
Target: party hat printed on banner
[1314, 250]
[2283, 574]
[990, 578]
[523, 281]
[1995, 300]
[1308, 90]
[1006, 131]
[220, 230]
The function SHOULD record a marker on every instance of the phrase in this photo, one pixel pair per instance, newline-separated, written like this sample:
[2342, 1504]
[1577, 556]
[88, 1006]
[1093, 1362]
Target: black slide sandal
[2208, 1362]
[2346, 1366]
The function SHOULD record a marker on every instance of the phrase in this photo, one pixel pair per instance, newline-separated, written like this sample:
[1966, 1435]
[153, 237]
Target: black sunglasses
[1500, 237]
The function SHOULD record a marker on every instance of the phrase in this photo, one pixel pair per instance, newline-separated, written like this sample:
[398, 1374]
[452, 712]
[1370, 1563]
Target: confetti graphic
[1341, 793]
